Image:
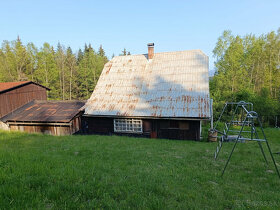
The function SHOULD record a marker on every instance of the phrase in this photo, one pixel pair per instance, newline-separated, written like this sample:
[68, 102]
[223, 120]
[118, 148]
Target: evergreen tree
[123, 52]
[21, 59]
[68, 76]
[101, 51]
[90, 48]
[79, 56]
[85, 49]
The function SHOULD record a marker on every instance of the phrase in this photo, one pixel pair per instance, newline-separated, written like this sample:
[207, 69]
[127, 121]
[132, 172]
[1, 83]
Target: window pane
[128, 125]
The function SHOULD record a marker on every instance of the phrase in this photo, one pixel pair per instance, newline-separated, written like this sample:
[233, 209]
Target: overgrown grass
[74, 172]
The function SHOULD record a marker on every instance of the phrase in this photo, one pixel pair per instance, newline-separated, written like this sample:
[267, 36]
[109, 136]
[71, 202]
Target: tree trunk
[70, 85]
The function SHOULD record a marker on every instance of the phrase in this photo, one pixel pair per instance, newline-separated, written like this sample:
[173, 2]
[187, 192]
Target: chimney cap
[151, 44]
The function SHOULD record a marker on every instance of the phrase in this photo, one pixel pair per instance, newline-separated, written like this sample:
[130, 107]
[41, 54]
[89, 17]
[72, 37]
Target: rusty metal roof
[45, 111]
[7, 86]
[172, 85]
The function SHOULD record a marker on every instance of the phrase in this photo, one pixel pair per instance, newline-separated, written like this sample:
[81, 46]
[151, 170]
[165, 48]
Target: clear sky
[171, 25]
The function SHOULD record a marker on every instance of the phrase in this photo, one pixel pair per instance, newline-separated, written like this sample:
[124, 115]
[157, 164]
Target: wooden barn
[16, 94]
[157, 95]
[49, 117]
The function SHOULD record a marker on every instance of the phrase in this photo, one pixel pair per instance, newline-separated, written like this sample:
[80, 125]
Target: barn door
[154, 129]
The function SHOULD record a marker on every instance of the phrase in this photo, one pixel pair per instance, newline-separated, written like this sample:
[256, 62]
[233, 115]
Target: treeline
[248, 68]
[69, 75]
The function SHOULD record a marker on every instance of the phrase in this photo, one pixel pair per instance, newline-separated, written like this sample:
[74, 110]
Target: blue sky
[171, 25]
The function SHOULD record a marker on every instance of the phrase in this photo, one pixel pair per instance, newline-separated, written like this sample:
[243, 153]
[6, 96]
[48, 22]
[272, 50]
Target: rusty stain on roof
[45, 111]
[172, 84]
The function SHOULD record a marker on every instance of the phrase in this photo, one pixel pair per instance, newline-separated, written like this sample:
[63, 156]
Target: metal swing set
[245, 118]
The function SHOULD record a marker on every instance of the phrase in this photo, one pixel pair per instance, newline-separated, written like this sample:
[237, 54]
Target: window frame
[128, 125]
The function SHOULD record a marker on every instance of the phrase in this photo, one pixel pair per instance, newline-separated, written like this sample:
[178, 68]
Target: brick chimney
[151, 50]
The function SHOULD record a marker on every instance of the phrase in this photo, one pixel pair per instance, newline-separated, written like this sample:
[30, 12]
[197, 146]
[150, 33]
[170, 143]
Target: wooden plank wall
[11, 100]
[55, 130]
[152, 128]
[52, 130]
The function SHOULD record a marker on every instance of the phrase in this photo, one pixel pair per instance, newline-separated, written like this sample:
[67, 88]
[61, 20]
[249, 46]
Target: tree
[71, 68]
[123, 52]
[101, 51]
[69, 76]
[248, 68]
[21, 59]
[80, 56]
[8, 63]
[32, 52]
[46, 72]
[60, 60]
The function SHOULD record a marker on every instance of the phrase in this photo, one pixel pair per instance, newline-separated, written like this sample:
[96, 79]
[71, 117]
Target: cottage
[49, 117]
[157, 95]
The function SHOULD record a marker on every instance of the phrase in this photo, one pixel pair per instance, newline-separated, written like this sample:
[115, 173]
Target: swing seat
[232, 138]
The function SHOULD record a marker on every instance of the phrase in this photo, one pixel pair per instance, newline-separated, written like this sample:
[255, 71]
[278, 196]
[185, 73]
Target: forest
[69, 75]
[246, 68]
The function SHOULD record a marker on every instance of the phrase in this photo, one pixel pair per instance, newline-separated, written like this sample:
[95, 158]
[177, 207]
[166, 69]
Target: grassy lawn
[72, 172]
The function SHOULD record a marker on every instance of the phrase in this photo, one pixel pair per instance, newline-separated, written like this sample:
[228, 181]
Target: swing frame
[247, 119]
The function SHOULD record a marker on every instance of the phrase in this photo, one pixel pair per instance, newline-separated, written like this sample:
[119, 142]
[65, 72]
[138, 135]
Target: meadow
[112, 172]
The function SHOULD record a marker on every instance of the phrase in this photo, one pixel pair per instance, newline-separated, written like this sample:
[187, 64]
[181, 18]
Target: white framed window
[128, 126]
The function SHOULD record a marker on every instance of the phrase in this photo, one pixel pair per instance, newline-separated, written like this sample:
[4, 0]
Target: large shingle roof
[172, 84]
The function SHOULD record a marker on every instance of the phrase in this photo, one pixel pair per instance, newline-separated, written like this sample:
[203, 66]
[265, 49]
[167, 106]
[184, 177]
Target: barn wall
[57, 130]
[45, 129]
[3, 126]
[11, 100]
[152, 128]
[76, 125]
[100, 125]
[178, 129]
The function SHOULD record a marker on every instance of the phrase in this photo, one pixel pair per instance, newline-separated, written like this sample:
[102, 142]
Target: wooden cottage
[16, 94]
[157, 95]
[49, 117]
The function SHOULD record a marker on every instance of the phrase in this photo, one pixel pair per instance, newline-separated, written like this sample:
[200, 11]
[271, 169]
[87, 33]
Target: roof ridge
[178, 51]
[8, 86]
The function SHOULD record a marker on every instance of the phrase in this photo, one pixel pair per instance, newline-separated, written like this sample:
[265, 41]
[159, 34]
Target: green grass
[76, 172]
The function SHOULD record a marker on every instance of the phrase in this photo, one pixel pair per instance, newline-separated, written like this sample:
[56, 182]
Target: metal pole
[225, 134]
[269, 148]
[220, 116]
[232, 118]
[254, 130]
[234, 146]
[260, 145]
[211, 102]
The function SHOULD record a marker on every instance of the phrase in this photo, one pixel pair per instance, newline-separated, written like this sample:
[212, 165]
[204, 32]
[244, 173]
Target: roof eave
[24, 84]
[147, 117]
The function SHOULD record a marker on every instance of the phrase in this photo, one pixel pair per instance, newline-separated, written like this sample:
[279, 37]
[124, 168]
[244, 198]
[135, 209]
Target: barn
[157, 95]
[48, 117]
[16, 94]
